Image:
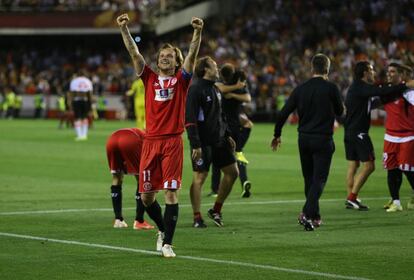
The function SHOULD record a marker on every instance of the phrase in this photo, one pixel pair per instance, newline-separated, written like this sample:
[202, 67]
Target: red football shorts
[123, 151]
[161, 164]
[398, 155]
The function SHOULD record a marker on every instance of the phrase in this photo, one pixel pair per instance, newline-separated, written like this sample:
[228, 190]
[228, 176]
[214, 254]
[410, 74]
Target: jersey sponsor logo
[361, 135]
[164, 94]
[147, 186]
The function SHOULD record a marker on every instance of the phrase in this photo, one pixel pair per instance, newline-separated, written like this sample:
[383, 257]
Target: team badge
[199, 162]
[173, 81]
[147, 186]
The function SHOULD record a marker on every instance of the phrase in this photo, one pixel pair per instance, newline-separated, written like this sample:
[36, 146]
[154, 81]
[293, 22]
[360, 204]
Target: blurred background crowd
[272, 41]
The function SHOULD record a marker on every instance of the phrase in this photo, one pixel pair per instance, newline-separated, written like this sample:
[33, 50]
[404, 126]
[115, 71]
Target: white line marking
[236, 263]
[59, 211]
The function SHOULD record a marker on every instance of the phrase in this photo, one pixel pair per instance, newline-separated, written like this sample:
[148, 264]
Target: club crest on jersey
[164, 94]
[173, 81]
[147, 186]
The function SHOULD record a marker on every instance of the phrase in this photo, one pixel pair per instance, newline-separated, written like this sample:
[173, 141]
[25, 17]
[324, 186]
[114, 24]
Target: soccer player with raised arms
[162, 153]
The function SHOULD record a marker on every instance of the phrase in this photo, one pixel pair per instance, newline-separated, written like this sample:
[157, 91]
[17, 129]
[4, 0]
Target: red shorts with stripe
[398, 155]
[161, 164]
[123, 150]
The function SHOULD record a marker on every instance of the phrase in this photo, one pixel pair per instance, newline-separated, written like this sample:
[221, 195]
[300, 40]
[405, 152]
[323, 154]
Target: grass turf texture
[43, 168]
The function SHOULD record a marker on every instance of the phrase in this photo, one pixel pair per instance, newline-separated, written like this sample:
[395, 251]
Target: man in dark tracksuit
[208, 135]
[317, 101]
[358, 145]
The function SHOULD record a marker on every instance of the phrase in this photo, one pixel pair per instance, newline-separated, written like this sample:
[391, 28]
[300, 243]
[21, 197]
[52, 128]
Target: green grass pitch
[42, 169]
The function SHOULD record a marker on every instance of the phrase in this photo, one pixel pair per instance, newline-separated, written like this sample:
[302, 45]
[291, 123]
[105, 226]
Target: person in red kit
[162, 153]
[398, 157]
[123, 150]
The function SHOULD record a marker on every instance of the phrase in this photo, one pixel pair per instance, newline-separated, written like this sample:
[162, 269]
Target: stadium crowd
[271, 40]
[93, 5]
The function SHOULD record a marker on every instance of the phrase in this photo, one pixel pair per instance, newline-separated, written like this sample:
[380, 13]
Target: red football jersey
[165, 102]
[400, 118]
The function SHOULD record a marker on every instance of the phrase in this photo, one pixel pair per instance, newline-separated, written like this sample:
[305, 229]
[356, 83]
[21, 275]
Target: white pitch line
[59, 211]
[202, 259]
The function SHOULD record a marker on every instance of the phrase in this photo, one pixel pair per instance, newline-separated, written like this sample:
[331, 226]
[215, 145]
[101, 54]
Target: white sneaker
[160, 239]
[120, 224]
[167, 251]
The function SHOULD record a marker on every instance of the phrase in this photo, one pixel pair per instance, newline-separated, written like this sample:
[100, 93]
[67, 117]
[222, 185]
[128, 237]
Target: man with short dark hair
[209, 140]
[317, 101]
[398, 157]
[358, 145]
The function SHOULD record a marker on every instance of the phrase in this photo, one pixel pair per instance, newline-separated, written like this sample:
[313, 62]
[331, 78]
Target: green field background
[43, 168]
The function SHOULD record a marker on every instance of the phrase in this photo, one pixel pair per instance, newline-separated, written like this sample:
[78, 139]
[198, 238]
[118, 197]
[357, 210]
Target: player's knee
[232, 172]
[369, 167]
[147, 199]
[171, 197]
[199, 178]
[117, 179]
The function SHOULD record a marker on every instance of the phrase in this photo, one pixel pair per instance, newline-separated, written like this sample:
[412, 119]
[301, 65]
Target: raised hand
[197, 23]
[122, 20]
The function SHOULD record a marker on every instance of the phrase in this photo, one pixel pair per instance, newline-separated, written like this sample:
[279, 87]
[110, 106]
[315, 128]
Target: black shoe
[216, 217]
[348, 205]
[307, 224]
[356, 204]
[199, 223]
[246, 189]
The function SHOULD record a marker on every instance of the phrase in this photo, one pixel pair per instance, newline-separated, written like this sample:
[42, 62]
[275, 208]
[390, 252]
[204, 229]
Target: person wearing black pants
[315, 156]
[317, 101]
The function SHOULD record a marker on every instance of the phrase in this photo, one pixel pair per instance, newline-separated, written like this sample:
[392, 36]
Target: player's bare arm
[239, 97]
[190, 59]
[137, 59]
[229, 88]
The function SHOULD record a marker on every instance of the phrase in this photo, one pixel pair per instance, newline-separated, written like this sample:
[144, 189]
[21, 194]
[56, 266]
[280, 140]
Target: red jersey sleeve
[146, 75]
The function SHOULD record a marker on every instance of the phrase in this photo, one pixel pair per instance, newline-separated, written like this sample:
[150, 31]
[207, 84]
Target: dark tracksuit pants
[315, 155]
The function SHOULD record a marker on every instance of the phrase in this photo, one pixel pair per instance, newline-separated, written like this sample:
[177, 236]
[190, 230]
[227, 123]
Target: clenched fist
[122, 20]
[197, 23]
